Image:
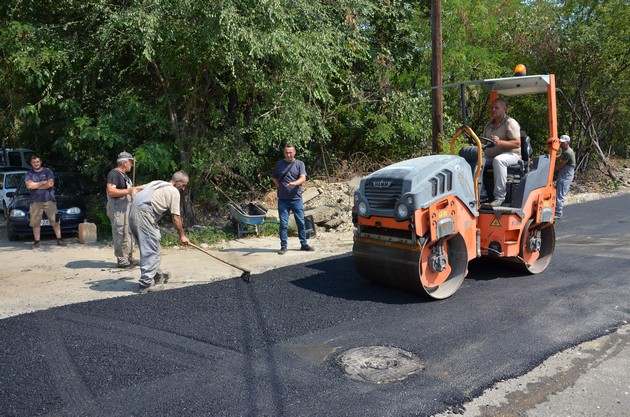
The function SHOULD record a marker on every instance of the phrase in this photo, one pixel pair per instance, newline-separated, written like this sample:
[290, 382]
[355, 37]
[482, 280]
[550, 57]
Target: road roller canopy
[512, 86]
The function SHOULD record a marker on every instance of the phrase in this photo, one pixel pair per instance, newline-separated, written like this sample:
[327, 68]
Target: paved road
[272, 347]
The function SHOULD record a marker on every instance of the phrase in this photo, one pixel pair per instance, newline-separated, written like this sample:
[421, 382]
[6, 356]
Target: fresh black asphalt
[270, 347]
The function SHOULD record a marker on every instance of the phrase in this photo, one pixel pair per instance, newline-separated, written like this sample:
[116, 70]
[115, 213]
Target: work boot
[37, 244]
[497, 202]
[162, 277]
[151, 288]
[123, 264]
[60, 242]
[282, 250]
[307, 248]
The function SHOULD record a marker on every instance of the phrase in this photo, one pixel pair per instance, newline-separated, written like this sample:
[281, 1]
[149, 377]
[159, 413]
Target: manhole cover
[379, 364]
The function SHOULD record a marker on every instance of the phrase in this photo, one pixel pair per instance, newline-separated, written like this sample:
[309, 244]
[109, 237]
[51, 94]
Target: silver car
[10, 178]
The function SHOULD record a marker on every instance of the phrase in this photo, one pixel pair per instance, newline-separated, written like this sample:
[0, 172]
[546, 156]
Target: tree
[587, 48]
[217, 87]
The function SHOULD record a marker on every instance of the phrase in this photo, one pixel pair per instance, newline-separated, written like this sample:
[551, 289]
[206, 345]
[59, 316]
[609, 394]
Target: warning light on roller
[520, 70]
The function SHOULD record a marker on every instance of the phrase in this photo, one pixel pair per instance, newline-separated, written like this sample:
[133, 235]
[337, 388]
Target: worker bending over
[148, 206]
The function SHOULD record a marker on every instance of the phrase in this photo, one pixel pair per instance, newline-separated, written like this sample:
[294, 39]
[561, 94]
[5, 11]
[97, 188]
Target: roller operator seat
[520, 169]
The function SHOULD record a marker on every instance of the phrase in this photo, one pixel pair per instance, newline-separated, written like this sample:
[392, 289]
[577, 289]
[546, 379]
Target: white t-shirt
[506, 130]
[165, 198]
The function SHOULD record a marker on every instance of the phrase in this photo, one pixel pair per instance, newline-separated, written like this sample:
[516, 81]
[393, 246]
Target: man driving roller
[505, 134]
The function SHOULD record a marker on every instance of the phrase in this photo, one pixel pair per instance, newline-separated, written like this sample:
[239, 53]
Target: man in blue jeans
[288, 175]
[565, 167]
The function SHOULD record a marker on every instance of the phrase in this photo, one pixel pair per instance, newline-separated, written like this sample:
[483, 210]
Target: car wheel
[11, 235]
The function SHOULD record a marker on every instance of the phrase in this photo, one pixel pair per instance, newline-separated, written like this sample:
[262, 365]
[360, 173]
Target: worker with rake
[148, 206]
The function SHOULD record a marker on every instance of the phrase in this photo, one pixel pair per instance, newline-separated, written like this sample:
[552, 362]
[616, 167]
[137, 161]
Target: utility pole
[437, 118]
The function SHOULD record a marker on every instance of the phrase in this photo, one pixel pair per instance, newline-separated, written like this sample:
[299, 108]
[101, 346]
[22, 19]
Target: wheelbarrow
[249, 218]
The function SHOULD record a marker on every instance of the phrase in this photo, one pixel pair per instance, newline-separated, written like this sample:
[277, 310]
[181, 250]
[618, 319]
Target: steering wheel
[489, 142]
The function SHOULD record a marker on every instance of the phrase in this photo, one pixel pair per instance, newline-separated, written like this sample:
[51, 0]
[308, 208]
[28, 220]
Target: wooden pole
[437, 118]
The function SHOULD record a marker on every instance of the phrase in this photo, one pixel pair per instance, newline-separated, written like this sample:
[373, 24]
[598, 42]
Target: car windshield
[65, 184]
[13, 180]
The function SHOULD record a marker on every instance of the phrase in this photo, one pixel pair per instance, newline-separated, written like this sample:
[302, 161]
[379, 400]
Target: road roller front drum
[437, 271]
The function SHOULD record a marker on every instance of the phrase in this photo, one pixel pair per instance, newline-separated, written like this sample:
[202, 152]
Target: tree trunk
[591, 133]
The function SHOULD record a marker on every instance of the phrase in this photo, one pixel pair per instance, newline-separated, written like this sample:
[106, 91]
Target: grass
[212, 236]
[197, 235]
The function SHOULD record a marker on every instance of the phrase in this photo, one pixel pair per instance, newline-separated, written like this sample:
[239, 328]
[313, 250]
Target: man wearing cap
[565, 166]
[120, 191]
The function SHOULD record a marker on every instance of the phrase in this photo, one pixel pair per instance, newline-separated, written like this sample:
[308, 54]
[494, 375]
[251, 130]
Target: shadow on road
[123, 284]
[88, 264]
[338, 278]
[487, 269]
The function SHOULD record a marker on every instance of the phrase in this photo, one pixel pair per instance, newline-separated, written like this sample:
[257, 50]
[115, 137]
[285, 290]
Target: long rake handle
[245, 276]
[219, 259]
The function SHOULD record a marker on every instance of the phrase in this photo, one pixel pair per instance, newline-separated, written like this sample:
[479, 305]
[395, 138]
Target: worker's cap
[124, 156]
[565, 138]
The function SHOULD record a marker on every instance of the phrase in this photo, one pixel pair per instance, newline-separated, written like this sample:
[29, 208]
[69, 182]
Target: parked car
[16, 157]
[10, 178]
[71, 210]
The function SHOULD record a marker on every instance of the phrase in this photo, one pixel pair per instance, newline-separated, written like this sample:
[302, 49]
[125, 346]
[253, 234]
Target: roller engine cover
[415, 184]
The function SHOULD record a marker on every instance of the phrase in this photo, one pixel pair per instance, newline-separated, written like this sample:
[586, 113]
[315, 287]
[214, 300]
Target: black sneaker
[37, 244]
[282, 251]
[307, 248]
[60, 242]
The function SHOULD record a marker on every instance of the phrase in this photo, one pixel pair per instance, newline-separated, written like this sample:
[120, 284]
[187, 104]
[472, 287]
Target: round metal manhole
[379, 364]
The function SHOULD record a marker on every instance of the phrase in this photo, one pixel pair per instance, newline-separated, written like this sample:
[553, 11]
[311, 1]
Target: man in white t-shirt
[505, 134]
[148, 206]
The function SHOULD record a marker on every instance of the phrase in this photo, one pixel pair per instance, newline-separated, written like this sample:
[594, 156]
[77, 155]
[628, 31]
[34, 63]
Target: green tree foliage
[595, 58]
[385, 115]
[217, 87]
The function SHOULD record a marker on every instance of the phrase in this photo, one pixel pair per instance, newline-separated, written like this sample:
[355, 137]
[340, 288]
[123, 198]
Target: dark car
[71, 209]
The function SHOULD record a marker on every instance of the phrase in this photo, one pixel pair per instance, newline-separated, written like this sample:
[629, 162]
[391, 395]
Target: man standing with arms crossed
[40, 182]
[288, 175]
[148, 206]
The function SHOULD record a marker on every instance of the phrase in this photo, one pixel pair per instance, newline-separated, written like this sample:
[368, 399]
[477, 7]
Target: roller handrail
[470, 133]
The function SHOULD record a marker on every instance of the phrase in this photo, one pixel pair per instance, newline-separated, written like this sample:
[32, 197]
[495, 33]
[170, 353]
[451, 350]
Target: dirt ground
[32, 280]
